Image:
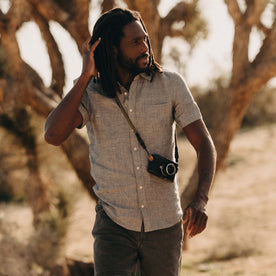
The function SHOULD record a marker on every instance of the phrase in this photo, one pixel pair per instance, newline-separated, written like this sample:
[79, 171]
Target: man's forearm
[206, 171]
[63, 118]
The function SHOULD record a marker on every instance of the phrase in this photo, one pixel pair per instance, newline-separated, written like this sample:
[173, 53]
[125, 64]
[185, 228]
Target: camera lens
[170, 169]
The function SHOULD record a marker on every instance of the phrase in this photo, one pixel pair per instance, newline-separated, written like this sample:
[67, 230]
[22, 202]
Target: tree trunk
[77, 151]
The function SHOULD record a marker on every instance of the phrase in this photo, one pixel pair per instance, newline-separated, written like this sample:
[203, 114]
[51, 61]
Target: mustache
[142, 56]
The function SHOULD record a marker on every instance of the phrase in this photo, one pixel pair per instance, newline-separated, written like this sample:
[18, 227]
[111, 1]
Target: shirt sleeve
[186, 109]
[83, 108]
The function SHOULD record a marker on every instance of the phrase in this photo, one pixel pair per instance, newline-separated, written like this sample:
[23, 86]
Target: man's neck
[124, 77]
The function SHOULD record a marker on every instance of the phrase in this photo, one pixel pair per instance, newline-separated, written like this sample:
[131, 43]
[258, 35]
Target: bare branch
[141, 5]
[180, 12]
[107, 5]
[267, 55]
[18, 13]
[58, 72]
[73, 16]
[263, 28]
[254, 11]
[234, 10]
[50, 10]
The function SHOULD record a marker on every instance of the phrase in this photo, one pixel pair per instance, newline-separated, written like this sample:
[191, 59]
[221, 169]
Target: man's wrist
[86, 75]
[202, 197]
[199, 202]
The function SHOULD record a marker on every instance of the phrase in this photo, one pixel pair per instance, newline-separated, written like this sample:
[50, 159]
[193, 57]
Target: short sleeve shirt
[129, 194]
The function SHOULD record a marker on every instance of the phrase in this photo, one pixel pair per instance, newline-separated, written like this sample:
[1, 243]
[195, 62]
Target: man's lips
[144, 58]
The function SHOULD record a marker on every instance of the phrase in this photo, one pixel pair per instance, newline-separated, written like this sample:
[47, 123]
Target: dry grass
[240, 238]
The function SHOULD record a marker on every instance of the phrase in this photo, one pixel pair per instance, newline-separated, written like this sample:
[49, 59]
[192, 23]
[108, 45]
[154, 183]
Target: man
[139, 218]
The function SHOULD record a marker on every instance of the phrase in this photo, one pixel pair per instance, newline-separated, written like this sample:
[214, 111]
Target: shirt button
[135, 149]
[125, 93]
[138, 168]
[141, 187]
[142, 206]
[130, 110]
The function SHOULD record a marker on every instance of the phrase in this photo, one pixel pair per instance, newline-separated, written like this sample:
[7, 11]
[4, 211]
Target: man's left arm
[195, 216]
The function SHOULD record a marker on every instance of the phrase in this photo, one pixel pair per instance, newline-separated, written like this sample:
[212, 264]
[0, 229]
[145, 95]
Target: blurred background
[225, 50]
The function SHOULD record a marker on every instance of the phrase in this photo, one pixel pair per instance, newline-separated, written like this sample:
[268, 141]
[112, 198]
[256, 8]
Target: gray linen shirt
[129, 194]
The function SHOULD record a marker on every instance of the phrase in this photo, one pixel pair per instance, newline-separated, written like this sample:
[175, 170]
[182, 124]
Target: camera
[162, 167]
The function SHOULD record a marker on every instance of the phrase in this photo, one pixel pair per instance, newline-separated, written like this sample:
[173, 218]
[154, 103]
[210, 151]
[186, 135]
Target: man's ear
[115, 51]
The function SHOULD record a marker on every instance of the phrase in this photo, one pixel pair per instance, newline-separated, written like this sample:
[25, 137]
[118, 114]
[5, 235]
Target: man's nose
[144, 47]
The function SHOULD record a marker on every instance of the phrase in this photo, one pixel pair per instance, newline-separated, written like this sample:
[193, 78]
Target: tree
[21, 85]
[247, 77]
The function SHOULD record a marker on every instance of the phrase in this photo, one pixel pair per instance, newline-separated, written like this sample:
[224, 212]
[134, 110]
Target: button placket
[138, 166]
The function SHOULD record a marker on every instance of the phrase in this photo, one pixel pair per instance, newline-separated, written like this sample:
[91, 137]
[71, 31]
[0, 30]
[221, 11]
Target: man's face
[133, 55]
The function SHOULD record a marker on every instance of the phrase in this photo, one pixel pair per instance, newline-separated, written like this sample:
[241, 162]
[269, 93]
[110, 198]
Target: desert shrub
[13, 170]
[208, 100]
[236, 237]
[261, 110]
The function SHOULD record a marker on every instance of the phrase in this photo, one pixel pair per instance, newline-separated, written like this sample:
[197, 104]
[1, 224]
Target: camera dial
[169, 170]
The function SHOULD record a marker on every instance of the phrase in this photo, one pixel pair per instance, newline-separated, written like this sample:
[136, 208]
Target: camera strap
[139, 138]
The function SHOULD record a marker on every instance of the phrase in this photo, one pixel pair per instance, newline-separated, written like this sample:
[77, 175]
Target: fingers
[199, 225]
[94, 46]
[88, 64]
[88, 48]
[196, 221]
[186, 216]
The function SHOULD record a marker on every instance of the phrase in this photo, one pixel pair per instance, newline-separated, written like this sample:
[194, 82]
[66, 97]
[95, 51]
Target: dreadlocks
[110, 28]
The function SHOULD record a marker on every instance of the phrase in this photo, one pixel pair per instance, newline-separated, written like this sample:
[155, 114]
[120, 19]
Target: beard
[132, 65]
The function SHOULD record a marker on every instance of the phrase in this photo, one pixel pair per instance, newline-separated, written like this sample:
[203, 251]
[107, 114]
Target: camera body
[162, 167]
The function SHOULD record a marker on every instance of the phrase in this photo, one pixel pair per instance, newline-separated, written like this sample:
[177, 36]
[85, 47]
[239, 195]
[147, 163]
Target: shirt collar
[146, 76]
[141, 75]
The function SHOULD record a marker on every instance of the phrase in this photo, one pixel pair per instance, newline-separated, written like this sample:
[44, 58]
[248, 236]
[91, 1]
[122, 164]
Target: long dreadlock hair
[110, 28]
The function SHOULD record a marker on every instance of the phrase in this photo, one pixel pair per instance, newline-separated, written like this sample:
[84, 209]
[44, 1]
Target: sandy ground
[239, 240]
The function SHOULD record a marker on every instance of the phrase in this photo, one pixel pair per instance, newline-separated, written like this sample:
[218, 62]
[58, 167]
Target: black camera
[162, 167]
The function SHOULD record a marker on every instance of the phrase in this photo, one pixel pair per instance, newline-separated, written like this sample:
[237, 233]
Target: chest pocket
[159, 116]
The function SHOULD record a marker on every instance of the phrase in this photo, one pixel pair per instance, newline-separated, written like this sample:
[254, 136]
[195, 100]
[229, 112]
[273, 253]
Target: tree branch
[263, 28]
[18, 13]
[180, 12]
[265, 60]
[107, 5]
[50, 10]
[58, 72]
[254, 11]
[140, 5]
[234, 10]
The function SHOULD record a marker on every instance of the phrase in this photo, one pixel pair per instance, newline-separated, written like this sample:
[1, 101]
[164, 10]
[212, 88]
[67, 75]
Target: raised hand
[88, 61]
